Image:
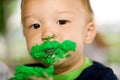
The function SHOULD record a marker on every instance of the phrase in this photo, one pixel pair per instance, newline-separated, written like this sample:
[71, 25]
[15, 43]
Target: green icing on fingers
[25, 72]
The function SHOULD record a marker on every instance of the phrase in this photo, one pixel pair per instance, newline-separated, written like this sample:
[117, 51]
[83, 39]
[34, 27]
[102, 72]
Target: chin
[61, 63]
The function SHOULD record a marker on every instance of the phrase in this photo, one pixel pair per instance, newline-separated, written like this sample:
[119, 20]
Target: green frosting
[24, 72]
[49, 52]
[52, 51]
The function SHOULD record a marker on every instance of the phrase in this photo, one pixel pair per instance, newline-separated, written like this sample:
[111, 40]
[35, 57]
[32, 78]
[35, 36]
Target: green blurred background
[105, 48]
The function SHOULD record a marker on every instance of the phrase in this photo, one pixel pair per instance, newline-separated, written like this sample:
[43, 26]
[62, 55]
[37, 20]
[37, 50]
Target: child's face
[67, 19]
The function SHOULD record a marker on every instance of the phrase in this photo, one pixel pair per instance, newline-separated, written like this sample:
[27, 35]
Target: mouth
[50, 51]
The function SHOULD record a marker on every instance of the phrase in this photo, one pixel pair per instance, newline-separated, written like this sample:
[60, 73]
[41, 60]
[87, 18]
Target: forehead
[68, 1]
[52, 4]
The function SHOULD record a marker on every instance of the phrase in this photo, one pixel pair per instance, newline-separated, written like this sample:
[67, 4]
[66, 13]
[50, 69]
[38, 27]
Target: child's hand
[33, 73]
[38, 78]
[47, 77]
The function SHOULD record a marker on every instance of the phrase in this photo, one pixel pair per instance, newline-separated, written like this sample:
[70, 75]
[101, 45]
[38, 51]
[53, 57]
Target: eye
[36, 26]
[62, 22]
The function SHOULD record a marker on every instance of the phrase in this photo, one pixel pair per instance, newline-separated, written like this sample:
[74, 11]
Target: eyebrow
[65, 12]
[28, 16]
[25, 17]
[58, 12]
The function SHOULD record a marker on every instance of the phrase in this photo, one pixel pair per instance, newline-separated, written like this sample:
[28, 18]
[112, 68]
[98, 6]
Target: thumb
[48, 77]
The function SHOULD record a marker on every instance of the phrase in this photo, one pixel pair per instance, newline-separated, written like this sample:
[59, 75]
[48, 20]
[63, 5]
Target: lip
[50, 51]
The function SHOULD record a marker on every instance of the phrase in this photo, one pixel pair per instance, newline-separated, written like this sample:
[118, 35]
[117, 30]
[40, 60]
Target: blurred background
[105, 48]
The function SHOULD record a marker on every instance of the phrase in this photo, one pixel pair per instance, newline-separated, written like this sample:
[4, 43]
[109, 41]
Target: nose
[49, 37]
[48, 34]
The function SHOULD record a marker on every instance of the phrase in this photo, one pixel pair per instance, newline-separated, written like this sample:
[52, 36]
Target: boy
[45, 21]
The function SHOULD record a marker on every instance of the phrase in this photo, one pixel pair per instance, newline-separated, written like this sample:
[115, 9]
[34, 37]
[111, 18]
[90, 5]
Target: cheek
[79, 39]
[79, 48]
[31, 41]
[29, 44]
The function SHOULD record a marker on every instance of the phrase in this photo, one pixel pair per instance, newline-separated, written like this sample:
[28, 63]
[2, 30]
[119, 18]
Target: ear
[91, 32]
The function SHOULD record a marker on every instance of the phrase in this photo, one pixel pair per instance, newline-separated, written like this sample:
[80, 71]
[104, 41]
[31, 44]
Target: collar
[74, 74]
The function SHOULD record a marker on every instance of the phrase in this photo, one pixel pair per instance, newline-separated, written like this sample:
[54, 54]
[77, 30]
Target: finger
[48, 77]
[36, 78]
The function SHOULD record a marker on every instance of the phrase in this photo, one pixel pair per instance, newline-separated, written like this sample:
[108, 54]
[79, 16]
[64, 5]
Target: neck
[75, 64]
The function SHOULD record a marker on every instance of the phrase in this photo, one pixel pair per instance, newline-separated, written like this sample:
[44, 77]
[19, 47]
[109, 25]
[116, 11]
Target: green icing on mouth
[49, 52]
[52, 51]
